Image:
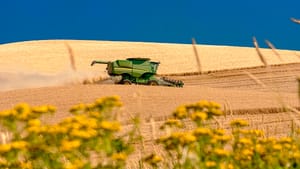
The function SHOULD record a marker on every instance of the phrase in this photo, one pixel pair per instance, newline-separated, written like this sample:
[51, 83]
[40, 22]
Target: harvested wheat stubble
[148, 101]
[280, 78]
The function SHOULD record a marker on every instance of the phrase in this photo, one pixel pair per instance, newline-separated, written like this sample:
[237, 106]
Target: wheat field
[51, 72]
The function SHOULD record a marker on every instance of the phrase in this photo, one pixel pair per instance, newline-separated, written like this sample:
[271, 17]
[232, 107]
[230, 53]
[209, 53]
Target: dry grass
[197, 55]
[295, 20]
[72, 56]
[271, 46]
[261, 56]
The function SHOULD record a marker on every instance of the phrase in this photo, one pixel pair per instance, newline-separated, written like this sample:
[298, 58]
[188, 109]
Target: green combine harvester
[137, 71]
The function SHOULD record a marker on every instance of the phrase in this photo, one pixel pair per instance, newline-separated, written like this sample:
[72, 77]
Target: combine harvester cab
[137, 71]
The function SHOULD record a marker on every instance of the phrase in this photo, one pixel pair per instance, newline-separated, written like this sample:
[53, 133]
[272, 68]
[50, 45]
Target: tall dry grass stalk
[295, 119]
[275, 89]
[256, 80]
[271, 46]
[229, 108]
[197, 55]
[295, 20]
[72, 57]
[261, 56]
[292, 110]
[153, 128]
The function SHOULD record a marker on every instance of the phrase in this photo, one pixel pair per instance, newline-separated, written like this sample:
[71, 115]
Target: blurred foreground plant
[208, 147]
[91, 139]
[87, 140]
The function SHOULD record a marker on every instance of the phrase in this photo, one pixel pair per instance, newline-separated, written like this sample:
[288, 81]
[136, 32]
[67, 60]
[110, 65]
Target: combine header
[137, 71]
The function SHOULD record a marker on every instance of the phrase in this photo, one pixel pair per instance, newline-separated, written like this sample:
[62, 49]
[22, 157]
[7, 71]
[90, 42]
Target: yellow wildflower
[40, 109]
[187, 138]
[269, 140]
[85, 121]
[260, 148]
[68, 120]
[177, 134]
[22, 107]
[7, 113]
[180, 112]
[226, 166]
[92, 123]
[119, 156]
[214, 105]
[216, 112]
[239, 123]
[222, 139]
[51, 109]
[26, 165]
[156, 159]
[84, 133]
[112, 101]
[5, 148]
[247, 153]
[76, 125]
[287, 146]
[258, 133]
[286, 140]
[202, 131]
[196, 116]
[277, 147]
[245, 141]
[296, 155]
[255, 133]
[19, 145]
[34, 122]
[173, 122]
[67, 145]
[163, 139]
[219, 131]
[210, 164]
[23, 111]
[34, 129]
[77, 108]
[55, 129]
[203, 104]
[95, 114]
[221, 152]
[110, 125]
[153, 159]
[69, 165]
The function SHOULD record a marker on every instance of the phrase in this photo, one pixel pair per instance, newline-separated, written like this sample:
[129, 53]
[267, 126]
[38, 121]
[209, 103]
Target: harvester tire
[152, 83]
[126, 82]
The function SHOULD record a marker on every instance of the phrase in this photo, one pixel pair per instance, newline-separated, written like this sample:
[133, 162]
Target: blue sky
[214, 22]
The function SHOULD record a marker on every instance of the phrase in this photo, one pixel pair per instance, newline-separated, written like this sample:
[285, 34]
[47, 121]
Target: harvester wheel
[126, 82]
[152, 83]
